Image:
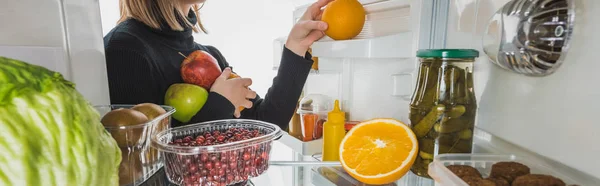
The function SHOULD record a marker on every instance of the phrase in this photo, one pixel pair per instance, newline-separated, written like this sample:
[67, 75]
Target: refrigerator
[547, 111]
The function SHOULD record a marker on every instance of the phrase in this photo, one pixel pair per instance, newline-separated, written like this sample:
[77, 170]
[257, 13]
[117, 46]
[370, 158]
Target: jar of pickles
[443, 105]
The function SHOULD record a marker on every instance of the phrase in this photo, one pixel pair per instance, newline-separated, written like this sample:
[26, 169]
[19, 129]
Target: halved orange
[379, 151]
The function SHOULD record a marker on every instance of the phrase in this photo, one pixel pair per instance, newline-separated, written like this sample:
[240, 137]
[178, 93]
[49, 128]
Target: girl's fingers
[251, 94]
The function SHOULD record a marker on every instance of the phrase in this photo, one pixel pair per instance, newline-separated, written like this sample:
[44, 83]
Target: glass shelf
[334, 175]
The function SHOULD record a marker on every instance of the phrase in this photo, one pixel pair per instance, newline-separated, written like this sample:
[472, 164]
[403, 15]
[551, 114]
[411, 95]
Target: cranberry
[213, 158]
[232, 165]
[185, 144]
[257, 161]
[221, 172]
[193, 168]
[200, 140]
[217, 165]
[204, 172]
[204, 157]
[208, 143]
[264, 155]
[216, 133]
[210, 138]
[247, 163]
[246, 156]
[178, 140]
[208, 165]
[220, 138]
[187, 139]
[230, 178]
[212, 172]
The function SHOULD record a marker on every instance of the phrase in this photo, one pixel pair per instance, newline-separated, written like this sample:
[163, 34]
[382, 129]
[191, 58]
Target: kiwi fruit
[153, 111]
[130, 168]
[125, 117]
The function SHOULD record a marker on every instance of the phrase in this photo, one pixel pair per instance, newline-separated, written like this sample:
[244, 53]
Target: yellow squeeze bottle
[333, 133]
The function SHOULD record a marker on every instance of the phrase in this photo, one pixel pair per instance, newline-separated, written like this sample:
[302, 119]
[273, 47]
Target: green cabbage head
[49, 134]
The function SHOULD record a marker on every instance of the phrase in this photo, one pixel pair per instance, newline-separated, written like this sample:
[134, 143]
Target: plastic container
[139, 161]
[313, 113]
[222, 164]
[483, 163]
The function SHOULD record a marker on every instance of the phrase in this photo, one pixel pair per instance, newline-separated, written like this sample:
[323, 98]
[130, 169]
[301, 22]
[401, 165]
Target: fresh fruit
[345, 19]
[187, 99]
[200, 68]
[378, 151]
[218, 168]
[50, 134]
[153, 111]
[233, 75]
[131, 166]
[124, 117]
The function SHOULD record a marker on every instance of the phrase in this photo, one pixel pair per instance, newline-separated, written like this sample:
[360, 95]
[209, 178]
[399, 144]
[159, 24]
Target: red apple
[200, 68]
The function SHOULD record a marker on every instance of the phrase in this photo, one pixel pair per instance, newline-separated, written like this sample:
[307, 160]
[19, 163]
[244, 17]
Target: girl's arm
[280, 101]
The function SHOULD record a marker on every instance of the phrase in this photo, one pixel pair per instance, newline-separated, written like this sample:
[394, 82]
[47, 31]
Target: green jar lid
[447, 53]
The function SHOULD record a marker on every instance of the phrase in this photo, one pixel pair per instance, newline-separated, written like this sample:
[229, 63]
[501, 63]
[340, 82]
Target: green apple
[187, 99]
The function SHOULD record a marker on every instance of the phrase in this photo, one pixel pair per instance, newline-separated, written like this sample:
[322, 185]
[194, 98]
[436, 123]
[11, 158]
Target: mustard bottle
[333, 133]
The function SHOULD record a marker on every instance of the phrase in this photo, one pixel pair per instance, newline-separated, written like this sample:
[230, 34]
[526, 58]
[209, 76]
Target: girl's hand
[308, 29]
[235, 90]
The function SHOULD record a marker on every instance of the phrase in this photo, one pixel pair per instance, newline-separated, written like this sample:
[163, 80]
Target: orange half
[379, 151]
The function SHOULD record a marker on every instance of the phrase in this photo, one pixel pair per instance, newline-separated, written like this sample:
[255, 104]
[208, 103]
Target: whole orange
[345, 18]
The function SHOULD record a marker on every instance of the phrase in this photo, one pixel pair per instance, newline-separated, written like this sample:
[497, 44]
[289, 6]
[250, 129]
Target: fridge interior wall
[372, 74]
[64, 36]
[555, 115]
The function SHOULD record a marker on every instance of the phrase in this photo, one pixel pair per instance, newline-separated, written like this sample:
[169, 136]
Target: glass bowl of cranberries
[222, 152]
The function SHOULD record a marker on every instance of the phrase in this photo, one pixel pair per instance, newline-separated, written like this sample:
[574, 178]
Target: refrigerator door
[552, 115]
[61, 35]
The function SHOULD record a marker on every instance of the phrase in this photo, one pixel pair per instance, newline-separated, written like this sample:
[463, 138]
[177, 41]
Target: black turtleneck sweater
[143, 62]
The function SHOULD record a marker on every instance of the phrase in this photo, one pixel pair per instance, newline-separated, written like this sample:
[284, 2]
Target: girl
[143, 60]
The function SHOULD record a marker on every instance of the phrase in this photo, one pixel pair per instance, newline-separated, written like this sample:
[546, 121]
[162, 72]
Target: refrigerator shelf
[392, 46]
[484, 143]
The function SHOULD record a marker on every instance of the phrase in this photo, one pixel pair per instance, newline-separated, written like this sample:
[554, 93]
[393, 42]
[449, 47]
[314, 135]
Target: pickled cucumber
[426, 145]
[456, 111]
[433, 134]
[454, 125]
[423, 127]
[425, 155]
[447, 139]
[465, 134]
